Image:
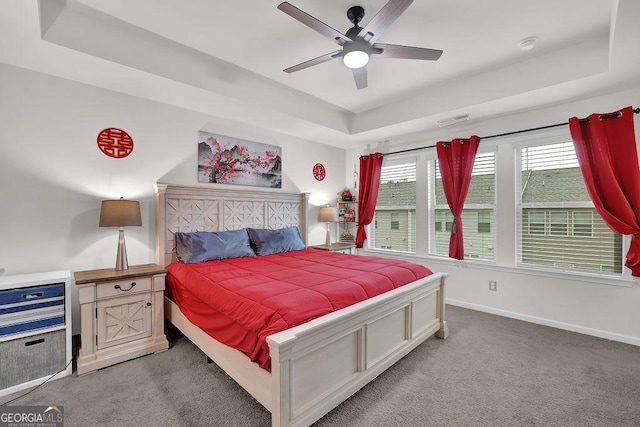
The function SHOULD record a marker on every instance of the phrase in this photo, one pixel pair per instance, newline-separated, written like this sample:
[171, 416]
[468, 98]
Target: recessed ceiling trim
[87, 30]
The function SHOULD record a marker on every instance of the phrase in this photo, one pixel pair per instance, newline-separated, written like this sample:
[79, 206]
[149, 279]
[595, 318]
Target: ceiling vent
[452, 120]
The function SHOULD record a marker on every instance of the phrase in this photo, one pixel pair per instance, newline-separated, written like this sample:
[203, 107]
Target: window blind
[394, 223]
[558, 225]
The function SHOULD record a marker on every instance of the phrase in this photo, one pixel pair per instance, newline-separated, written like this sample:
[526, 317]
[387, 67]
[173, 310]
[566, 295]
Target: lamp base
[328, 240]
[121, 256]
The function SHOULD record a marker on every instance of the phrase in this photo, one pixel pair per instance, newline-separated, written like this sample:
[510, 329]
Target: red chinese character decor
[319, 172]
[115, 143]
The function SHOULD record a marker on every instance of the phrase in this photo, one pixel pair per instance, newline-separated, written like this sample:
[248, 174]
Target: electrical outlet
[493, 285]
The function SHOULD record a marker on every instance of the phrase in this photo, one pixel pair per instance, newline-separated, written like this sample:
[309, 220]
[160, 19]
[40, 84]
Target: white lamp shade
[328, 214]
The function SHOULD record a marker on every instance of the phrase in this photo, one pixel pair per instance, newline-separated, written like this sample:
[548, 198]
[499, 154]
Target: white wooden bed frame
[317, 365]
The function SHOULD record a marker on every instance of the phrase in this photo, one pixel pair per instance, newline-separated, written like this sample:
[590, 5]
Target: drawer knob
[148, 304]
[133, 284]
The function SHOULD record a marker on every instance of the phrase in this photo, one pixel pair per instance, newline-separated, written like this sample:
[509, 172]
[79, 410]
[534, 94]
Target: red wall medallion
[115, 143]
[319, 172]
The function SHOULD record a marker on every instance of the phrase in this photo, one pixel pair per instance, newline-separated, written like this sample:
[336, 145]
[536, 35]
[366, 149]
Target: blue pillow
[202, 246]
[267, 242]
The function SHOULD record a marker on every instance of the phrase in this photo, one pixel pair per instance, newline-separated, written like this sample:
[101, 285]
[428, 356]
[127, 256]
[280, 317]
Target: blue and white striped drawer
[26, 309]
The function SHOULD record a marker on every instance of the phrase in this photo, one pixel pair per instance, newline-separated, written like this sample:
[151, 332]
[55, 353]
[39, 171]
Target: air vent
[452, 120]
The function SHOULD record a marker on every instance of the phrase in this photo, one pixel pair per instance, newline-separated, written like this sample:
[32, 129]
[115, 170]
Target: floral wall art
[226, 160]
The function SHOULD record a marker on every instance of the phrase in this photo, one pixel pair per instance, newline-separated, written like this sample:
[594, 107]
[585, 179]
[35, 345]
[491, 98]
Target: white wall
[53, 176]
[564, 301]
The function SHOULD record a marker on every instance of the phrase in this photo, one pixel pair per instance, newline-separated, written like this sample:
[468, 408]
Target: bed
[318, 364]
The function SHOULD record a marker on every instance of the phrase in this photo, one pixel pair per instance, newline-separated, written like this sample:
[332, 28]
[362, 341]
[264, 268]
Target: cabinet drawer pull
[32, 295]
[125, 290]
[148, 304]
[34, 342]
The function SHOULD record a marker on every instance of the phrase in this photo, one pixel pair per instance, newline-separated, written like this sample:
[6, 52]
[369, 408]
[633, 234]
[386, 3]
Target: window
[477, 215]
[443, 218]
[583, 224]
[484, 222]
[396, 206]
[537, 222]
[395, 221]
[559, 227]
[545, 212]
[558, 221]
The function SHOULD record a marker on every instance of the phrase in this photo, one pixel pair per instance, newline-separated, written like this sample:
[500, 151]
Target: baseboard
[627, 339]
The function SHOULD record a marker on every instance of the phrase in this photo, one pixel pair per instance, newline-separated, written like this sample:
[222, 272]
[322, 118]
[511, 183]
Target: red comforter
[241, 301]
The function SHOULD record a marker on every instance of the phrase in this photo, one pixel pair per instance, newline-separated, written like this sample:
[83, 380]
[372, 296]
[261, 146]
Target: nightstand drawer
[123, 287]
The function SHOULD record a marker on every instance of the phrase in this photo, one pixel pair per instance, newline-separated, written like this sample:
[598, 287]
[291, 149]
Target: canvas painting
[227, 160]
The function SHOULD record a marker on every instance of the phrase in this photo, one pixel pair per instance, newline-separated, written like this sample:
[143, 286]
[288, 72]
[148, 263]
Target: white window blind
[394, 226]
[478, 213]
[558, 225]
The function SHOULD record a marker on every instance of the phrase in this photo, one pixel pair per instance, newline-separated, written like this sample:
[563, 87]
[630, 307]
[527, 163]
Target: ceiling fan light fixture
[356, 59]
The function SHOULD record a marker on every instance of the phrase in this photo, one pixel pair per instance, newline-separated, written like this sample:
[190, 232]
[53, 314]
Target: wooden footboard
[318, 365]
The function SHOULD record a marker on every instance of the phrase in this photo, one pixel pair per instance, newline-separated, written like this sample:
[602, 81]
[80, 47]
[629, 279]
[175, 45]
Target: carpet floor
[491, 371]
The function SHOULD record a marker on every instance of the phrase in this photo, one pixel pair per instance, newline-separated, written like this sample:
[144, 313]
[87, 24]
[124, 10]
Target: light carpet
[491, 371]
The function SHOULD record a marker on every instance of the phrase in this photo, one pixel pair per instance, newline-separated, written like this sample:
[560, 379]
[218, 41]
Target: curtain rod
[604, 116]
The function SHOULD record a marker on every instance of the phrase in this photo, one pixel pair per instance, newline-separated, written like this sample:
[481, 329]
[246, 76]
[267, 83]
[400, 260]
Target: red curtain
[456, 163]
[606, 149]
[370, 168]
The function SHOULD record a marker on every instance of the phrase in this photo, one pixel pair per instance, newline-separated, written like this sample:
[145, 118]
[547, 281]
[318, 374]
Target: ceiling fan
[359, 43]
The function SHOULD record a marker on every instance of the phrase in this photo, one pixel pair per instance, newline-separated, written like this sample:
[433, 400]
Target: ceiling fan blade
[407, 52]
[313, 23]
[314, 61]
[360, 76]
[383, 19]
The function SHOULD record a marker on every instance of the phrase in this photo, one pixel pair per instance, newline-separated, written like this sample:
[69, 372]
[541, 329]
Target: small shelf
[347, 229]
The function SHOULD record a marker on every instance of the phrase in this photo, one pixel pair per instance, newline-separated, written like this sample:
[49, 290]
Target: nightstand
[121, 315]
[345, 248]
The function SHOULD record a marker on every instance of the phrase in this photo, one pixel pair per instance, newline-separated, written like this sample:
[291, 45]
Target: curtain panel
[456, 159]
[370, 168]
[606, 149]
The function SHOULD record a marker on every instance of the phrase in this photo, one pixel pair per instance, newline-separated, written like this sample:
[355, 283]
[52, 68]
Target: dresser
[35, 329]
[121, 315]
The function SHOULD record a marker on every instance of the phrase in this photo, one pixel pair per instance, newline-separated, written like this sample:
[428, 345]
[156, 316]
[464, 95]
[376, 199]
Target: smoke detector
[527, 43]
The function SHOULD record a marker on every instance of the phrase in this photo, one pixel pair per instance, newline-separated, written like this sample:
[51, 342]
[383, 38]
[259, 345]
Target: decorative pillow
[267, 242]
[202, 246]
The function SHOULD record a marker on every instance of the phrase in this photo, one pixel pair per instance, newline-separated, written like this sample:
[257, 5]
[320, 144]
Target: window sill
[492, 265]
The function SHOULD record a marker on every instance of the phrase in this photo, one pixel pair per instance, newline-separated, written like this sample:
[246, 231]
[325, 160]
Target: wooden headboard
[183, 208]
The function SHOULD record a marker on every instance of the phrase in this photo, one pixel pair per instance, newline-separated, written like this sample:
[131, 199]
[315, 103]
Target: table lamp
[328, 214]
[120, 213]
